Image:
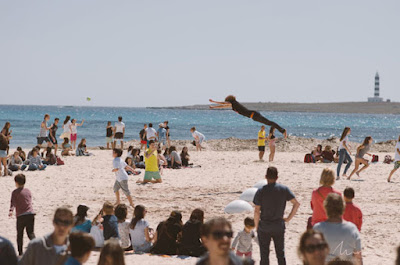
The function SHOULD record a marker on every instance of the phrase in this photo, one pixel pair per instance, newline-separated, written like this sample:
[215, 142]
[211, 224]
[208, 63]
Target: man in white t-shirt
[119, 132]
[396, 159]
[151, 134]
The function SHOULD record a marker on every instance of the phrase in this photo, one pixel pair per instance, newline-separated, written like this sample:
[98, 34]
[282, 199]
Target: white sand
[221, 179]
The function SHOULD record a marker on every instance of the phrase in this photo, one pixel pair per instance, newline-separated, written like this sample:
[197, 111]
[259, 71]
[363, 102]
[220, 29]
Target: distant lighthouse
[376, 85]
[376, 97]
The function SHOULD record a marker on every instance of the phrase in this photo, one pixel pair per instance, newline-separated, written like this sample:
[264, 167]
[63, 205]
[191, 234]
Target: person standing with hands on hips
[270, 203]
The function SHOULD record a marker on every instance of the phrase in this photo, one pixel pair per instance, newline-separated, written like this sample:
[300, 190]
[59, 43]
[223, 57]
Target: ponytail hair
[138, 215]
[344, 134]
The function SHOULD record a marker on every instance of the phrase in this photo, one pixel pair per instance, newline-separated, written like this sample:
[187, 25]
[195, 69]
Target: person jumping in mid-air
[230, 102]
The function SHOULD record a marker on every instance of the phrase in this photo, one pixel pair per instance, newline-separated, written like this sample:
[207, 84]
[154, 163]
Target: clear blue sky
[168, 53]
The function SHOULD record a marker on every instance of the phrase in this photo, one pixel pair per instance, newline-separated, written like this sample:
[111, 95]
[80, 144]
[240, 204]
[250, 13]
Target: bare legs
[358, 162]
[391, 173]
[261, 155]
[4, 161]
[129, 197]
[271, 153]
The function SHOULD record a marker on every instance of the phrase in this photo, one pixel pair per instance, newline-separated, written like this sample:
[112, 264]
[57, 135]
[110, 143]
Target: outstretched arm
[218, 102]
[225, 106]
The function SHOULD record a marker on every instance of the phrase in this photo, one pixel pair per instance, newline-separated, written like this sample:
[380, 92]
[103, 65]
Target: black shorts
[119, 136]
[51, 140]
[40, 140]
[261, 148]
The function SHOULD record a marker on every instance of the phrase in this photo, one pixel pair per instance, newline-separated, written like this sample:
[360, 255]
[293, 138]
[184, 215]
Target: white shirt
[123, 230]
[120, 165]
[151, 133]
[66, 127]
[397, 155]
[198, 134]
[73, 129]
[341, 146]
[119, 127]
[138, 237]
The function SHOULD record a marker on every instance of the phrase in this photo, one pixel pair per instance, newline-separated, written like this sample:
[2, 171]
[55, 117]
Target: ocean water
[214, 124]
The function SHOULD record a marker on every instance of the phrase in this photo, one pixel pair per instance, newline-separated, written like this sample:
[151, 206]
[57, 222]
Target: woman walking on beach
[272, 140]
[74, 131]
[230, 102]
[344, 152]
[361, 151]
[7, 132]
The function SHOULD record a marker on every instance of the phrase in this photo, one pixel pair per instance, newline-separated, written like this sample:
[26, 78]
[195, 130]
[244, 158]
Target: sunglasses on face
[62, 222]
[217, 235]
[312, 248]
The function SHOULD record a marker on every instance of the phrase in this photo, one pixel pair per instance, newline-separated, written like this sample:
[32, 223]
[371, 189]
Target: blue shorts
[3, 153]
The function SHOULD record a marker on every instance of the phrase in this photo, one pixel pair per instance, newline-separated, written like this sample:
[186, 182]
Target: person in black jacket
[190, 243]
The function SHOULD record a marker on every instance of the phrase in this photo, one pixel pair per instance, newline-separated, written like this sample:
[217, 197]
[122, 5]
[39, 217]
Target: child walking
[121, 182]
[21, 201]
[243, 240]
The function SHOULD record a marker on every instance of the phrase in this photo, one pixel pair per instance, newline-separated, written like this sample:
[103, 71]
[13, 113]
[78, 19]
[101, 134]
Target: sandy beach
[225, 172]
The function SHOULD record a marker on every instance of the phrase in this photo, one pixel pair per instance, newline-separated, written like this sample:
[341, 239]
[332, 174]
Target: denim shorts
[3, 153]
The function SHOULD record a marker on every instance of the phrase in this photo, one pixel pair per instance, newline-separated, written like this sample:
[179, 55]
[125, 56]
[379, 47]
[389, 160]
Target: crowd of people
[332, 235]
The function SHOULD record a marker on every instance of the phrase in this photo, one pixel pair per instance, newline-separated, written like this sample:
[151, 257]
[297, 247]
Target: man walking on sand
[270, 203]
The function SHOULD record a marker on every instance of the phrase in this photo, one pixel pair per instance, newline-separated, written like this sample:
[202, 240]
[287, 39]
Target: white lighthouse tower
[376, 97]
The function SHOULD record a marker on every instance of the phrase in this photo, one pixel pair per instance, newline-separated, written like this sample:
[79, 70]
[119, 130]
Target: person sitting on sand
[162, 161]
[49, 158]
[342, 237]
[167, 155]
[327, 155]
[317, 153]
[112, 254]
[81, 222]
[139, 231]
[21, 152]
[82, 150]
[362, 150]
[396, 160]
[35, 162]
[152, 172]
[121, 177]
[185, 157]
[176, 161]
[167, 234]
[15, 162]
[121, 211]
[231, 102]
[313, 248]
[191, 242]
[318, 196]
[66, 148]
[30, 153]
[137, 158]
[81, 246]
[129, 162]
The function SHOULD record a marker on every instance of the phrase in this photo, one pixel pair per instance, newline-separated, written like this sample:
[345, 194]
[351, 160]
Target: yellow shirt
[151, 162]
[261, 142]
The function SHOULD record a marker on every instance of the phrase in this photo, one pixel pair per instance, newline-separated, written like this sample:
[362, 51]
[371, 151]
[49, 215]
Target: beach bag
[388, 159]
[60, 162]
[375, 158]
[308, 158]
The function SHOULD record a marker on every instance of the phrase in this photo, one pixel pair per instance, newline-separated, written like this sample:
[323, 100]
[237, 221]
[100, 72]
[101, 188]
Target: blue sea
[217, 124]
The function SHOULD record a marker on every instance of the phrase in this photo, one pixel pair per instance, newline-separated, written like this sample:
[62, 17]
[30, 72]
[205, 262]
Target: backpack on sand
[308, 158]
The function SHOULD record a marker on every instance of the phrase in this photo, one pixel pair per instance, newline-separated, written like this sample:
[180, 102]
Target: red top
[317, 203]
[21, 200]
[353, 214]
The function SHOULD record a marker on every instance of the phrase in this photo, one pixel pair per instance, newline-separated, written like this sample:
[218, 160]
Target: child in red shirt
[352, 212]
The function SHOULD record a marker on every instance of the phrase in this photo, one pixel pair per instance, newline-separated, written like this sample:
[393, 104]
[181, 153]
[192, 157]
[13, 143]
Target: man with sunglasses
[270, 203]
[216, 235]
[51, 249]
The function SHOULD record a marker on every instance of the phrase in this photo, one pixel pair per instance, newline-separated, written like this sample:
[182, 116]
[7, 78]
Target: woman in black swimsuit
[230, 102]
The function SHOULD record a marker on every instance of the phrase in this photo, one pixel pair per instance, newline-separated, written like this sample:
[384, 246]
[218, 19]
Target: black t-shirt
[167, 236]
[53, 130]
[191, 234]
[141, 133]
[239, 108]
[109, 132]
[167, 129]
